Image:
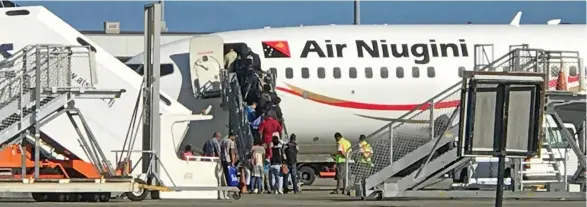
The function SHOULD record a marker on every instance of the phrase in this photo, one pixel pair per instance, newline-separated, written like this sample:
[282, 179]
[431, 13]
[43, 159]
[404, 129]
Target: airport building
[126, 44]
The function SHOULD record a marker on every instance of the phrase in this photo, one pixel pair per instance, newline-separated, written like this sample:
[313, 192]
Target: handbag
[284, 169]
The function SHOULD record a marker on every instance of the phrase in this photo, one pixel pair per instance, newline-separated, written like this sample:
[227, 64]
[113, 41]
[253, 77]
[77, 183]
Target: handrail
[496, 63]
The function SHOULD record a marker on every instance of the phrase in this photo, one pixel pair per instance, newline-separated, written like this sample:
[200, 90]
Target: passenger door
[206, 63]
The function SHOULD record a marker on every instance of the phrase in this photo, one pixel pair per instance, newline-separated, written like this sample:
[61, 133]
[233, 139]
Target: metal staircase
[39, 83]
[20, 85]
[418, 147]
[233, 101]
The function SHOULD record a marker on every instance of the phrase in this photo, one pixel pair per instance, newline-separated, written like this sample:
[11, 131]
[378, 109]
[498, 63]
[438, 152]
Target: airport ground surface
[315, 195]
[308, 198]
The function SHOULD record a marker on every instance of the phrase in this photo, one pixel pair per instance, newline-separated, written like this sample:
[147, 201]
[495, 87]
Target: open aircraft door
[206, 61]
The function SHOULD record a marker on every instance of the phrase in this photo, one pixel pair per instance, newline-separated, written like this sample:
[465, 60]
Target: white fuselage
[324, 104]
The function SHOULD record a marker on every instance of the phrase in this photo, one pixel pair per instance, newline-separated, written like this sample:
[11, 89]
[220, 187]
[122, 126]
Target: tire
[104, 197]
[307, 175]
[236, 195]
[155, 195]
[40, 197]
[138, 196]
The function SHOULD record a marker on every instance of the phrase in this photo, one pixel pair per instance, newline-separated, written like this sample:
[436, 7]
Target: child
[257, 158]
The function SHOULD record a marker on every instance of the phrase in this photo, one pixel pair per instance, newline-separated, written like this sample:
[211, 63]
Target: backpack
[209, 148]
[265, 100]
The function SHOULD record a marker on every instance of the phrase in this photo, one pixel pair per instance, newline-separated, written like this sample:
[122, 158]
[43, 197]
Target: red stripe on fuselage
[396, 107]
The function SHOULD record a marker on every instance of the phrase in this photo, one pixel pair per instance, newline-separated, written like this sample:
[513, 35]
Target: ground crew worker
[366, 151]
[343, 146]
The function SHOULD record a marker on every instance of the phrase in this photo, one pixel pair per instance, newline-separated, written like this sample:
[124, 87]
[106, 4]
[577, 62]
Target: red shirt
[266, 130]
[268, 127]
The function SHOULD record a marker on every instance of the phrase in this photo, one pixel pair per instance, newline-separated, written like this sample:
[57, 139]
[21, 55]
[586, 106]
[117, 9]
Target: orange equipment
[10, 157]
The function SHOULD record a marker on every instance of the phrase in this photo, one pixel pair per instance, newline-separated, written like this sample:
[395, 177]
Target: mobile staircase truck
[416, 155]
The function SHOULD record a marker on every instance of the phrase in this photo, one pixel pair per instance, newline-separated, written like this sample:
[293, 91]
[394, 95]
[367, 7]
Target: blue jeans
[276, 177]
[293, 176]
[257, 183]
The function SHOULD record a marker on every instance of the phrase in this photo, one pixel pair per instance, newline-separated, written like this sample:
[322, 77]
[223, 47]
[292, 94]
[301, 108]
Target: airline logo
[276, 49]
[5, 50]
[421, 52]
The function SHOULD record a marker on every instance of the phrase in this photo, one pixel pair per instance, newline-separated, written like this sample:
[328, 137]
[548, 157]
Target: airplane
[354, 79]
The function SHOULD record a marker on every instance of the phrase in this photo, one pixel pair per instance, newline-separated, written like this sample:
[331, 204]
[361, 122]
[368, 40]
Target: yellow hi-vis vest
[346, 146]
[367, 152]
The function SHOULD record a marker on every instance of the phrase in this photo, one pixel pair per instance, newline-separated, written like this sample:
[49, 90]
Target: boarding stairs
[417, 149]
[527, 177]
[233, 100]
[36, 86]
[238, 124]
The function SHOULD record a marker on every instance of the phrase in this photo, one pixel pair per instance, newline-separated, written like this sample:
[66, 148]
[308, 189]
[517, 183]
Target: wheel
[155, 195]
[236, 195]
[307, 175]
[379, 196]
[463, 176]
[104, 197]
[91, 197]
[40, 197]
[140, 194]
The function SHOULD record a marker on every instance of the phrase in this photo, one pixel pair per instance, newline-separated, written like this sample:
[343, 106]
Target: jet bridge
[417, 150]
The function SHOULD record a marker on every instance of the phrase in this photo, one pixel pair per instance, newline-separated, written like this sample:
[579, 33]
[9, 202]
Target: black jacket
[291, 152]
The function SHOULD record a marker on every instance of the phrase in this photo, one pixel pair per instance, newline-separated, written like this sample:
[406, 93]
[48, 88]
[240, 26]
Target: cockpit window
[166, 69]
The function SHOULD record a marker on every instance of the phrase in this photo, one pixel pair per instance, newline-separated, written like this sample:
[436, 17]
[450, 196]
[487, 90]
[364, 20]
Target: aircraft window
[305, 73]
[288, 73]
[321, 73]
[383, 72]
[368, 72]
[461, 71]
[353, 72]
[166, 69]
[430, 72]
[573, 71]
[399, 72]
[415, 72]
[336, 73]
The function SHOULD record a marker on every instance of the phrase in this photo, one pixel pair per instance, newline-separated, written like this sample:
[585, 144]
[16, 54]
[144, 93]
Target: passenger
[187, 152]
[291, 154]
[253, 59]
[229, 59]
[277, 163]
[257, 161]
[265, 99]
[267, 129]
[277, 110]
[343, 146]
[266, 181]
[251, 116]
[255, 128]
[212, 146]
[228, 153]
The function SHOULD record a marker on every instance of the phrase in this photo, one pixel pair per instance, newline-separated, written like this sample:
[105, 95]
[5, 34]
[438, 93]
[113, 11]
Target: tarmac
[315, 195]
[307, 198]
